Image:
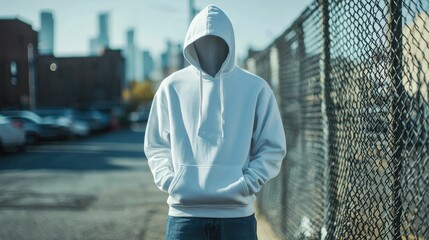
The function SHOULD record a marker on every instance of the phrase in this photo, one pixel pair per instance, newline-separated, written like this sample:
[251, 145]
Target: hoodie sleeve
[268, 143]
[157, 143]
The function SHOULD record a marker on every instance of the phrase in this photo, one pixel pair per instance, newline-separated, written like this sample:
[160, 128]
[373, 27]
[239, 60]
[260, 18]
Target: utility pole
[31, 77]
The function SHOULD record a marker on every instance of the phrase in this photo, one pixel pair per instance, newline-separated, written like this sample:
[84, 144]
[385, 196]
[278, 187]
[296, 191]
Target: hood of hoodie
[210, 21]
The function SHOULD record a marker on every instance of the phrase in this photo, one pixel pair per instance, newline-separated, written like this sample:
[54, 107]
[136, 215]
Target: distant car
[139, 116]
[62, 117]
[111, 112]
[67, 118]
[11, 134]
[80, 128]
[36, 127]
[96, 120]
[31, 128]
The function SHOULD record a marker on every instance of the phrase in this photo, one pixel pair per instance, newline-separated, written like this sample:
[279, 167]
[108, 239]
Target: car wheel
[31, 139]
[22, 148]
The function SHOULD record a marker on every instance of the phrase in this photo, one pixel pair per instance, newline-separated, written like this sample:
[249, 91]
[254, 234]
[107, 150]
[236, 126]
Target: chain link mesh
[351, 78]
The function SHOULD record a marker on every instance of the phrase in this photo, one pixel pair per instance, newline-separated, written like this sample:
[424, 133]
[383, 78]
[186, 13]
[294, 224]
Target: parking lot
[94, 188]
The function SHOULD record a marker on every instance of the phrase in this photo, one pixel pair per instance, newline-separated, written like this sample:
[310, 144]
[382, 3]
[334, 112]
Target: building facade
[18, 60]
[81, 81]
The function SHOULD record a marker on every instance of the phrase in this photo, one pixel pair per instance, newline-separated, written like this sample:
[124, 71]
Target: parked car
[140, 116]
[31, 128]
[65, 118]
[112, 112]
[80, 128]
[11, 134]
[96, 120]
[36, 127]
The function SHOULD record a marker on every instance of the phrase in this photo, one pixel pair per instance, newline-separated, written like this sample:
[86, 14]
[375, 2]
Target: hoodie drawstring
[200, 112]
[221, 103]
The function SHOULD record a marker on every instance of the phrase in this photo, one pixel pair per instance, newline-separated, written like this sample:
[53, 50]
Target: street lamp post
[31, 77]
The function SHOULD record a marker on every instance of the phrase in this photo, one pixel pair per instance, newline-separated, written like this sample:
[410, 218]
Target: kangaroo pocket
[208, 185]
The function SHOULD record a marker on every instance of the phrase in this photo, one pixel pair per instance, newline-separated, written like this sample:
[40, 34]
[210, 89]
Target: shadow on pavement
[101, 152]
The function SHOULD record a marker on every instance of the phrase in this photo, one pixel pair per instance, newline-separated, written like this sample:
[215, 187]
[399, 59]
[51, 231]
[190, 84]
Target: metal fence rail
[351, 78]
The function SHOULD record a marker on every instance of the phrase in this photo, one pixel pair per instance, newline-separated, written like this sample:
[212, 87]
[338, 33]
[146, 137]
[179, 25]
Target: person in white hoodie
[214, 136]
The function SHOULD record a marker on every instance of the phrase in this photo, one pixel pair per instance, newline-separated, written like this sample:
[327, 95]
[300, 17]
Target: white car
[80, 128]
[12, 135]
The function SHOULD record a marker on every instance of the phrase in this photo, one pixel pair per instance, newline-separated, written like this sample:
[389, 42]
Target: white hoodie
[213, 142]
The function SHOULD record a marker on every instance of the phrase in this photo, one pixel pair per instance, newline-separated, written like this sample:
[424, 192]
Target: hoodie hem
[212, 211]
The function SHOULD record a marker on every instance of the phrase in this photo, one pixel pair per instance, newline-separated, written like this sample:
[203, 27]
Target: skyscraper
[166, 59]
[148, 64]
[130, 57]
[172, 59]
[103, 35]
[100, 42]
[46, 34]
[93, 46]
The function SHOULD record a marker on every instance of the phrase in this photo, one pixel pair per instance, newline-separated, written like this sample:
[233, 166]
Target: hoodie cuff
[167, 182]
[253, 182]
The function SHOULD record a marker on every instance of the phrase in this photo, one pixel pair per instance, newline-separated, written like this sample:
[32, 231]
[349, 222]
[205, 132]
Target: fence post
[332, 187]
[395, 51]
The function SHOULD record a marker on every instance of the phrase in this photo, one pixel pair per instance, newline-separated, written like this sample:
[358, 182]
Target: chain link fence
[351, 78]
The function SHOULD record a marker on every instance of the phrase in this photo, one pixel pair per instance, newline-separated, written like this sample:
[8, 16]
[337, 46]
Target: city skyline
[155, 22]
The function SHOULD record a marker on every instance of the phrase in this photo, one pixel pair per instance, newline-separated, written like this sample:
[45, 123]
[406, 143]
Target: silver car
[37, 128]
[11, 134]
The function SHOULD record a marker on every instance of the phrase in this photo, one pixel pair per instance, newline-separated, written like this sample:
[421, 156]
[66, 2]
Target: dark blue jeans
[194, 228]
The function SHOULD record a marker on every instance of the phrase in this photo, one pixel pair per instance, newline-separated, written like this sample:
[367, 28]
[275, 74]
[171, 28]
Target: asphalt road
[94, 188]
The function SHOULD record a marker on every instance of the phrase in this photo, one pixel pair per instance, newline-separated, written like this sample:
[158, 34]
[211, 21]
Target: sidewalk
[265, 231]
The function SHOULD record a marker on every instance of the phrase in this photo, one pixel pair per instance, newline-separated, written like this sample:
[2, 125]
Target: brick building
[18, 60]
[29, 80]
[81, 81]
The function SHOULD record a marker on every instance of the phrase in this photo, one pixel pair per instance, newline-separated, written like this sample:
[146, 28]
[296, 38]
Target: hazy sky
[256, 22]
